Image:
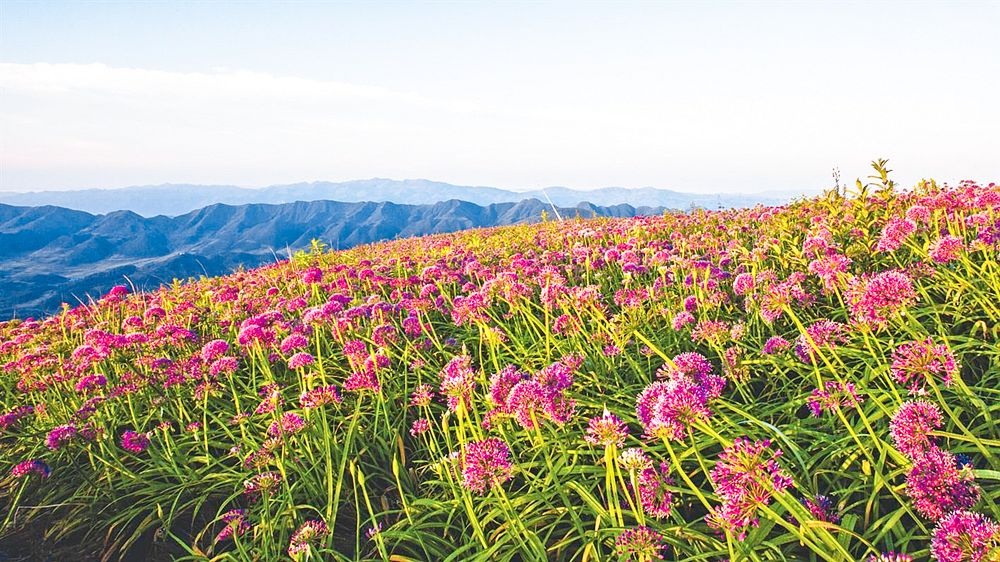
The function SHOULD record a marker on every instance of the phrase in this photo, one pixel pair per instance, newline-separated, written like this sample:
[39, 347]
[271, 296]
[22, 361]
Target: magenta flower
[964, 536]
[91, 382]
[667, 408]
[236, 524]
[937, 486]
[213, 350]
[134, 442]
[606, 431]
[652, 489]
[458, 382]
[420, 426]
[640, 543]
[422, 396]
[874, 299]
[300, 360]
[289, 424]
[310, 534]
[775, 345]
[834, 395]
[946, 249]
[913, 363]
[682, 319]
[486, 464]
[820, 336]
[60, 436]
[319, 397]
[890, 557]
[911, 427]
[34, 466]
[294, 342]
[745, 478]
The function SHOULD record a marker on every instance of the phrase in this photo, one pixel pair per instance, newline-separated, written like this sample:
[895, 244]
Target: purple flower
[652, 488]
[936, 485]
[236, 524]
[913, 363]
[641, 544]
[965, 536]
[911, 427]
[486, 464]
[60, 435]
[309, 534]
[34, 466]
[606, 431]
[300, 360]
[134, 442]
[746, 477]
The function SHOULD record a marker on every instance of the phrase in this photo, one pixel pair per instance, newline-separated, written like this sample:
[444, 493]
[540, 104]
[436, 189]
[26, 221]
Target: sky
[699, 97]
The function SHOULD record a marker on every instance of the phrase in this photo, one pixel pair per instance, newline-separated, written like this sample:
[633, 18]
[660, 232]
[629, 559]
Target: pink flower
[653, 491]
[964, 536]
[311, 533]
[746, 477]
[294, 342]
[911, 426]
[213, 349]
[667, 408]
[894, 234]
[300, 360]
[946, 249]
[874, 299]
[640, 543]
[913, 363]
[937, 485]
[422, 395]
[486, 464]
[606, 431]
[420, 427]
[290, 423]
[31, 467]
[458, 382]
[833, 396]
[134, 442]
[319, 397]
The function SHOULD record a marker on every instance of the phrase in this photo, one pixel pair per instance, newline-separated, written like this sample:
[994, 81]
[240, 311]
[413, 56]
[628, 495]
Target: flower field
[817, 381]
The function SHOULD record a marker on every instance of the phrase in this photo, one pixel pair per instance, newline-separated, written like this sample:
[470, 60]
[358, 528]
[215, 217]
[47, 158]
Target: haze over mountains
[50, 255]
[177, 199]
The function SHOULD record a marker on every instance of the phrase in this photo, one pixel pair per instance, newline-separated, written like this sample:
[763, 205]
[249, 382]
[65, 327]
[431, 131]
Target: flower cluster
[486, 464]
[745, 478]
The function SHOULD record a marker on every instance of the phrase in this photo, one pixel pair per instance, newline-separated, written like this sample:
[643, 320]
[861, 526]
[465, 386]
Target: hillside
[178, 199]
[816, 381]
[51, 255]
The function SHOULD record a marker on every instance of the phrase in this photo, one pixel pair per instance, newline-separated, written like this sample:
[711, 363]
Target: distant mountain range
[50, 255]
[175, 199]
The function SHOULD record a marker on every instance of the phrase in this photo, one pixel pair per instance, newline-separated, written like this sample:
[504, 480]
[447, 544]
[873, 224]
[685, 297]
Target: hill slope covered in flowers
[817, 381]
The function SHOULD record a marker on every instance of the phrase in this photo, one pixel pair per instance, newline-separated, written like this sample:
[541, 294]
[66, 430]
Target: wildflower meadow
[811, 382]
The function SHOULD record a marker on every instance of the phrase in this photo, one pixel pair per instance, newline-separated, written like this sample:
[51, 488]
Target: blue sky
[687, 96]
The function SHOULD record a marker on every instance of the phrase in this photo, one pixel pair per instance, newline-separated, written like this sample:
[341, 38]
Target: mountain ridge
[178, 199]
[50, 255]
